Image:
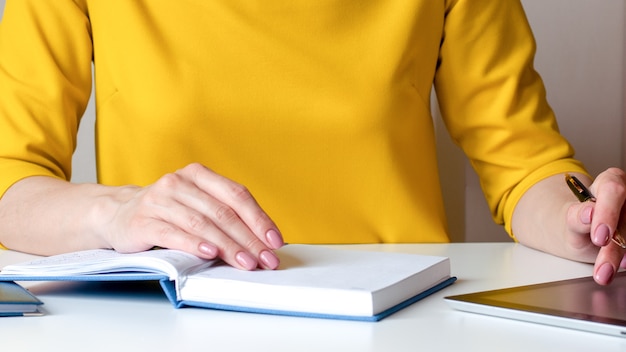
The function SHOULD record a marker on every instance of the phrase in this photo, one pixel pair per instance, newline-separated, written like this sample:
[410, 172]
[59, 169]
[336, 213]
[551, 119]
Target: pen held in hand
[583, 194]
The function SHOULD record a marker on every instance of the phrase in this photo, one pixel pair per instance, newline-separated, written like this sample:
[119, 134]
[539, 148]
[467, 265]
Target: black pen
[583, 194]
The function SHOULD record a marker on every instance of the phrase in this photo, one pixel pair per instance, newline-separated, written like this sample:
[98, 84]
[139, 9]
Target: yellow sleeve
[494, 102]
[45, 83]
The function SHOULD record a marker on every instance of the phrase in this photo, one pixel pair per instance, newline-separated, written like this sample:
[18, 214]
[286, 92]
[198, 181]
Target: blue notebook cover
[170, 290]
[169, 287]
[17, 301]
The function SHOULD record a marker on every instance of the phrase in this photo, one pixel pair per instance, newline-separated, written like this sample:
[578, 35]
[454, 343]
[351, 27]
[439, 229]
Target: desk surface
[131, 316]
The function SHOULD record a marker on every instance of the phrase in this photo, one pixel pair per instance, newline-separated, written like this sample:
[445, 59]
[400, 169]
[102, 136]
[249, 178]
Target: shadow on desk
[127, 290]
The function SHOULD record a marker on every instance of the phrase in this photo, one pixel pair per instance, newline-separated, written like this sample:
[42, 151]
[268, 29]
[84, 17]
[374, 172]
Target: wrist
[103, 211]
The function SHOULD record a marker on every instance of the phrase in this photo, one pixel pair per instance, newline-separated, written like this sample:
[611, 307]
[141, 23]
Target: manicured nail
[245, 260]
[270, 260]
[585, 216]
[604, 275]
[274, 238]
[601, 236]
[208, 249]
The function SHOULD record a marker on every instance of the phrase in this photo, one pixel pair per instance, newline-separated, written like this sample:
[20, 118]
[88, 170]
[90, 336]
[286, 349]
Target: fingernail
[270, 260]
[585, 216]
[605, 273]
[245, 260]
[601, 236]
[208, 249]
[274, 239]
[622, 264]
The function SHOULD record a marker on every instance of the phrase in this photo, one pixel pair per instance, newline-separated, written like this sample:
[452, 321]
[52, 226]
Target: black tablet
[576, 303]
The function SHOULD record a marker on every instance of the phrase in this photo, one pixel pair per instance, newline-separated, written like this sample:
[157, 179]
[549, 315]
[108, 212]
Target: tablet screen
[581, 299]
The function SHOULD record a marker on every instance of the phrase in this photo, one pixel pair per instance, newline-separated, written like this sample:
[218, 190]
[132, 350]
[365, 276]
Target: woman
[320, 109]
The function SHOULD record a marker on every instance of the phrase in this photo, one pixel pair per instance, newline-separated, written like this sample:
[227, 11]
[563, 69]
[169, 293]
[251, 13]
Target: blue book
[312, 281]
[15, 300]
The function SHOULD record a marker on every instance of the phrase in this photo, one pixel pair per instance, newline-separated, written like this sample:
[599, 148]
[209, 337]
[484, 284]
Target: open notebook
[313, 281]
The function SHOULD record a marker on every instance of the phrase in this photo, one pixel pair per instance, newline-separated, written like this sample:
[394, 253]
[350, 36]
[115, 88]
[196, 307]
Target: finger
[212, 244]
[203, 215]
[610, 191]
[205, 224]
[225, 229]
[165, 235]
[579, 217]
[238, 198]
[607, 263]
[155, 216]
[577, 240]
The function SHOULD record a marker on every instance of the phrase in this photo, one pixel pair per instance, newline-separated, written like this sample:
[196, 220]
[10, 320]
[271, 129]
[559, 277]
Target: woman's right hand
[197, 211]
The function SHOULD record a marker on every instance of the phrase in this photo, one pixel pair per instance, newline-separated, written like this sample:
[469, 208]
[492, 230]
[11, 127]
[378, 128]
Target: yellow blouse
[321, 108]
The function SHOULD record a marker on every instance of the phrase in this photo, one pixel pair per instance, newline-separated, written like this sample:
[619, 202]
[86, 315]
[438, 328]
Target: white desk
[124, 317]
